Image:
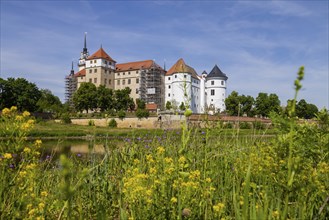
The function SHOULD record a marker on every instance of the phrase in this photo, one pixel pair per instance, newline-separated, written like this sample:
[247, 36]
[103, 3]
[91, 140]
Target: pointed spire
[85, 44]
[101, 46]
[72, 70]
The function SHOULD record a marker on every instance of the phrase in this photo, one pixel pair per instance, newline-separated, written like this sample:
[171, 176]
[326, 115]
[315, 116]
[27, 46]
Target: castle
[150, 82]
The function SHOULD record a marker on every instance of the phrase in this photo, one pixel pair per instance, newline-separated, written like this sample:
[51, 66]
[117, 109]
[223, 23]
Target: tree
[49, 102]
[105, 99]
[20, 93]
[140, 104]
[85, 97]
[306, 110]
[232, 103]
[142, 113]
[265, 104]
[123, 100]
[247, 104]
[168, 105]
[182, 106]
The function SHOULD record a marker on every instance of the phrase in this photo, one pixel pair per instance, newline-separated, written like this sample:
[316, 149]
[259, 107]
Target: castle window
[105, 81]
[184, 76]
[212, 92]
[129, 81]
[110, 81]
[90, 71]
[136, 71]
[105, 61]
[128, 73]
[95, 80]
[90, 80]
[222, 83]
[168, 94]
[137, 80]
[123, 73]
[123, 82]
[118, 74]
[168, 78]
[118, 82]
[95, 70]
[169, 87]
[212, 83]
[136, 91]
[175, 76]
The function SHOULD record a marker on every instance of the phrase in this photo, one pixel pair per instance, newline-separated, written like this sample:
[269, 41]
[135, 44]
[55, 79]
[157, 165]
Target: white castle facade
[179, 85]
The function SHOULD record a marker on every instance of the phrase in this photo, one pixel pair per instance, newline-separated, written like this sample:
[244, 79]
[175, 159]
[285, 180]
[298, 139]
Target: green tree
[85, 98]
[49, 102]
[20, 93]
[265, 104]
[105, 99]
[123, 100]
[306, 110]
[142, 113]
[232, 103]
[247, 104]
[168, 105]
[182, 106]
[140, 104]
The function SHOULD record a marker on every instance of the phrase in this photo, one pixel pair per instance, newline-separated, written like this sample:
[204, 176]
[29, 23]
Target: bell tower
[83, 55]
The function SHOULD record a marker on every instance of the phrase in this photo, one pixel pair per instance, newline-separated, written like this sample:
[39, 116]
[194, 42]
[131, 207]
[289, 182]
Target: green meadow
[190, 173]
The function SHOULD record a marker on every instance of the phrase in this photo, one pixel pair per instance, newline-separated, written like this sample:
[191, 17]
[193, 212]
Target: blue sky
[259, 44]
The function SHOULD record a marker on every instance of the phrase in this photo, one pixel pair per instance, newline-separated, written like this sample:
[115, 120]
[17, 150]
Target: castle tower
[182, 85]
[70, 86]
[216, 90]
[83, 55]
[100, 68]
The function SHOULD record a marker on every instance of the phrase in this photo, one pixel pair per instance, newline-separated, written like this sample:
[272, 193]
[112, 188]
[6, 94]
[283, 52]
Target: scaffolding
[70, 88]
[152, 85]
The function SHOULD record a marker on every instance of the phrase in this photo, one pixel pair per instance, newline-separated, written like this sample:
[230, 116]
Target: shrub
[91, 123]
[121, 114]
[244, 125]
[113, 123]
[66, 118]
[258, 125]
[228, 125]
[142, 113]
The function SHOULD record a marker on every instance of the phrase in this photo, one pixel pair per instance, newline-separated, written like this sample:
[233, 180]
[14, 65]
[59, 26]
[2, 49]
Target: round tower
[215, 87]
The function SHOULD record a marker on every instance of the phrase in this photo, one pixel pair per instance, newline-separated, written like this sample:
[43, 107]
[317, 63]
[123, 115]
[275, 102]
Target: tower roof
[181, 67]
[145, 64]
[216, 72]
[204, 73]
[100, 54]
[80, 73]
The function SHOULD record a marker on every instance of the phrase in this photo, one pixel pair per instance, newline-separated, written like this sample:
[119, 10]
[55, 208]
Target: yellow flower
[18, 118]
[27, 150]
[7, 156]
[208, 180]
[173, 200]
[160, 150]
[26, 114]
[13, 108]
[32, 211]
[38, 142]
[182, 160]
[275, 214]
[218, 207]
[136, 161]
[41, 205]
[168, 160]
[44, 193]
[5, 111]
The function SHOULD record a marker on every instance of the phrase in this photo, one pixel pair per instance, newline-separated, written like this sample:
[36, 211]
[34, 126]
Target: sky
[259, 45]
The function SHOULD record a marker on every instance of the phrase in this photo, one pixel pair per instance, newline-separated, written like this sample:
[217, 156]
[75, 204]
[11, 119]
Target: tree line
[264, 104]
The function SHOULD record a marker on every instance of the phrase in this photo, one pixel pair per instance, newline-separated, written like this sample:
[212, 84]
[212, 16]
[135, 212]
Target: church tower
[83, 55]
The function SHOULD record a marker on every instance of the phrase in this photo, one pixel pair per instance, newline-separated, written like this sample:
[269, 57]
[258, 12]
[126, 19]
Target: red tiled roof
[80, 73]
[151, 106]
[181, 67]
[145, 64]
[100, 54]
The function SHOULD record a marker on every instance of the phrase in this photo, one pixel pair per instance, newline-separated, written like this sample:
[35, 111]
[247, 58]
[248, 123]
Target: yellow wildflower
[173, 200]
[168, 160]
[44, 193]
[18, 118]
[5, 111]
[27, 150]
[136, 161]
[7, 156]
[41, 205]
[38, 142]
[32, 211]
[182, 160]
[275, 214]
[160, 150]
[218, 207]
[26, 114]
[13, 108]
[208, 180]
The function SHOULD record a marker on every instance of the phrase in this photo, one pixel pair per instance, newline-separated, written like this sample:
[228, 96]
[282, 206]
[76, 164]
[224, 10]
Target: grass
[210, 173]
